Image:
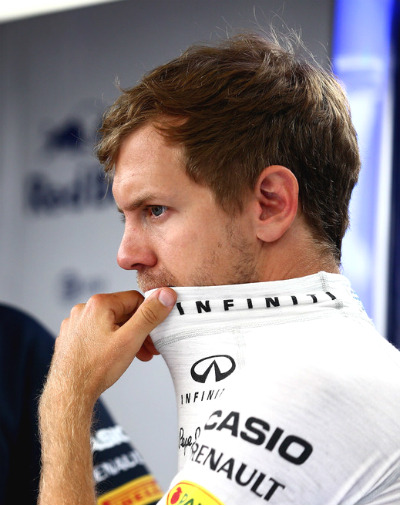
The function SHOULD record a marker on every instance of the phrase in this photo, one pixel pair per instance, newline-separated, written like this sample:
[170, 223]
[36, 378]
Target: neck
[295, 255]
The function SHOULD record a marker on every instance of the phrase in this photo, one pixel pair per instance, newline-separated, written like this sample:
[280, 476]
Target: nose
[134, 252]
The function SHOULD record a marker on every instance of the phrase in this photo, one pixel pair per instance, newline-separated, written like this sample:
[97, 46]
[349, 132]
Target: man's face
[175, 233]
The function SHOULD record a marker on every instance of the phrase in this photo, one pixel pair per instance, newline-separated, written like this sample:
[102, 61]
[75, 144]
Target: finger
[149, 345]
[144, 355]
[115, 308]
[126, 304]
[147, 351]
[150, 313]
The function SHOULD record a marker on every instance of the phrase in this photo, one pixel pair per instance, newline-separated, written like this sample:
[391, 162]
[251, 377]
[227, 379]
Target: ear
[276, 196]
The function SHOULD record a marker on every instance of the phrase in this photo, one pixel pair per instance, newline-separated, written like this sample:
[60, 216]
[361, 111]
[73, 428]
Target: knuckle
[76, 310]
[97, 302]
[64, 323]
[98, 299]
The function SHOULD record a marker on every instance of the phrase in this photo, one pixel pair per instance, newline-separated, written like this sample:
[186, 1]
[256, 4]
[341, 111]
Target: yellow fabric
[143, 490]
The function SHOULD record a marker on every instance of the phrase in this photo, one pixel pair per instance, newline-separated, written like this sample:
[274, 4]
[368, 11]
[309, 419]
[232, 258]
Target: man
[26, 349]
[233, 168]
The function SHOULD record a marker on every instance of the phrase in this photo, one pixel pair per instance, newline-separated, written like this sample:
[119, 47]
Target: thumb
[151, 312]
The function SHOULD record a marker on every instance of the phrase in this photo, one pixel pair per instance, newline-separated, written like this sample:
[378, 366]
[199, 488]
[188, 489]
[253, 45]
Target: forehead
[146, 158]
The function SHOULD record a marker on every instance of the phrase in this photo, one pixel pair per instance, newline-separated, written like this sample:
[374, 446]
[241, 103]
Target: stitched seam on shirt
[181, 335]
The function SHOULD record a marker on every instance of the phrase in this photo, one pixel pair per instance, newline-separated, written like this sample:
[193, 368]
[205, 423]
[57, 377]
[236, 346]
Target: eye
[157, 211]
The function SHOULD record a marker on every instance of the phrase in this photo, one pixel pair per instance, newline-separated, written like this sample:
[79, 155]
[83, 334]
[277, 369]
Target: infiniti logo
[223, 365]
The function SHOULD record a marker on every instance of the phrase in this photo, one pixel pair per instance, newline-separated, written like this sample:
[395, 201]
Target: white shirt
[286, 394]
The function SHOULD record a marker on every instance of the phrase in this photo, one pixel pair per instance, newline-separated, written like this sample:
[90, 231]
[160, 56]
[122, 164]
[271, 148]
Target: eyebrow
[139, 202]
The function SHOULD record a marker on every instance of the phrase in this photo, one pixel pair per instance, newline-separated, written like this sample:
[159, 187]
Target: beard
[147, 280]
[239, 267]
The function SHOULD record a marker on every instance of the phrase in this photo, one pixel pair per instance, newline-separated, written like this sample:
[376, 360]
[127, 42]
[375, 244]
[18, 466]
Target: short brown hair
[249, 103]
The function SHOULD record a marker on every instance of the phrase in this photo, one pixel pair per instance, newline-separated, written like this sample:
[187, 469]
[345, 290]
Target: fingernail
[166, 298]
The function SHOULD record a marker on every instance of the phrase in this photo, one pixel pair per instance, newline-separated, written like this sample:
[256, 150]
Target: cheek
[187, 239]
[181, 248]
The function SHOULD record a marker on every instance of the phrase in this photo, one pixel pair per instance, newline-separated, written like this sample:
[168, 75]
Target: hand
[100, 339]
[95, 346]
